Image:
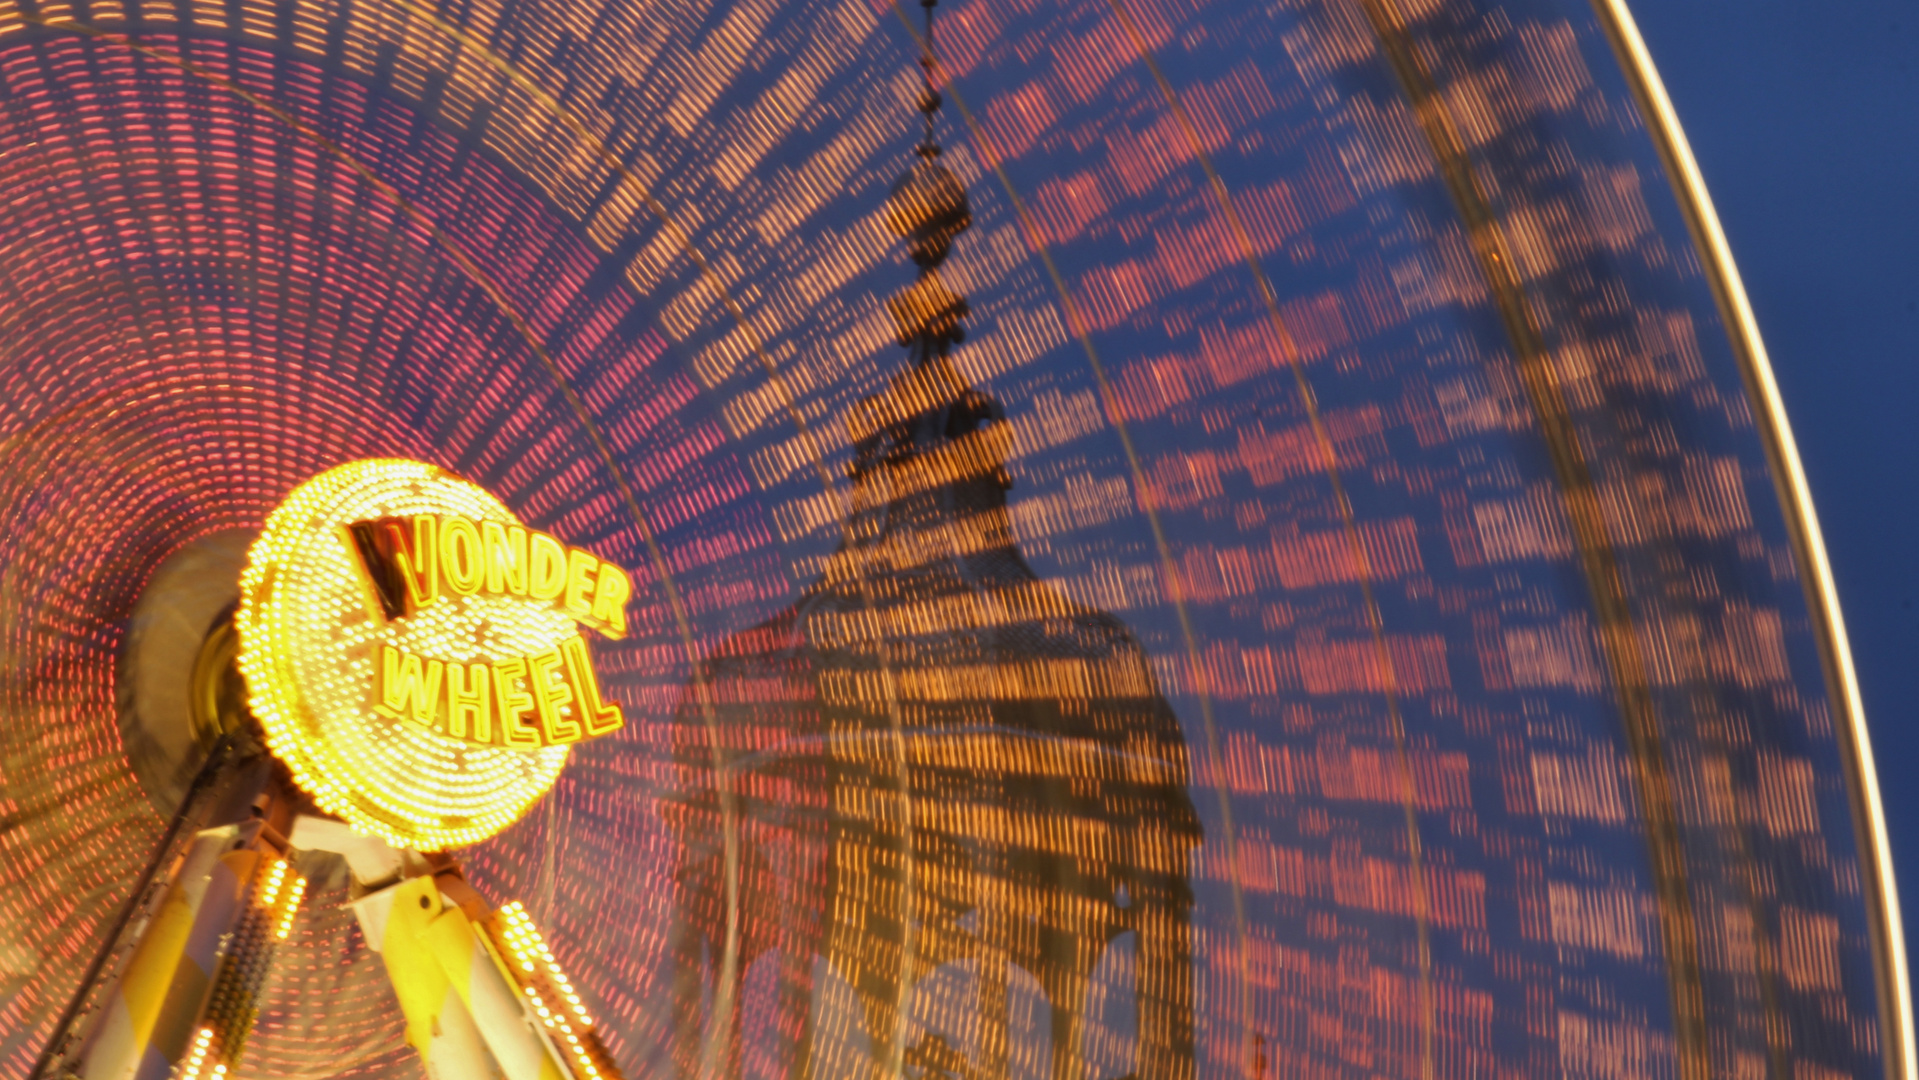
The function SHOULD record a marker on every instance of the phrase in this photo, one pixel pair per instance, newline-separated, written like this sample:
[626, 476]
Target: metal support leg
[482, 994]
[178, 982]
[186, 1001]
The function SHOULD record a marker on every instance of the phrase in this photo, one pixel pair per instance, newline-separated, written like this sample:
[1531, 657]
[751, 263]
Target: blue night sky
[1805, 121]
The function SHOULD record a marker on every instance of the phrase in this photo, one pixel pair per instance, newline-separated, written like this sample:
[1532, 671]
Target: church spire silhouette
[944, 767]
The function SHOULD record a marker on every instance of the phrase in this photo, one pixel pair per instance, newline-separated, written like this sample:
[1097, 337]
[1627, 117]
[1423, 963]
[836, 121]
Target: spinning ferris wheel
[1326, 589]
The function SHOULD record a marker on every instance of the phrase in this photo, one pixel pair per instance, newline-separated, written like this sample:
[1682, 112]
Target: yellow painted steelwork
[184, 1006]
[481, 994]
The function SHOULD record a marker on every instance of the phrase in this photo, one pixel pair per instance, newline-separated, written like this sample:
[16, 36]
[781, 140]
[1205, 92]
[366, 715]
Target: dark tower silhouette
[933, 756]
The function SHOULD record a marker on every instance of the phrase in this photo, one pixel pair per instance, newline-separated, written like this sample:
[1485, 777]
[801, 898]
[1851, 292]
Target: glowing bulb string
[563, 1021]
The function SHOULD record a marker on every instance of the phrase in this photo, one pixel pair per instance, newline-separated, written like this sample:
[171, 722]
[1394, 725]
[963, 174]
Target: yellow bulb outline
[304, 658]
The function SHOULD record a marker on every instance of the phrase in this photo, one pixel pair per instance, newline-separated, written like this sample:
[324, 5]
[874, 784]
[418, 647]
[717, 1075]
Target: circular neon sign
[414, 652]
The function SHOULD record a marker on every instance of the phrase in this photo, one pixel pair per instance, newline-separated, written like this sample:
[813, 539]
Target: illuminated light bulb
[292, 907]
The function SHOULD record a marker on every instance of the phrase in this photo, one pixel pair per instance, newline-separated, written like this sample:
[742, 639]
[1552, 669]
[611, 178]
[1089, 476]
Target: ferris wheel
[1125, 538]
